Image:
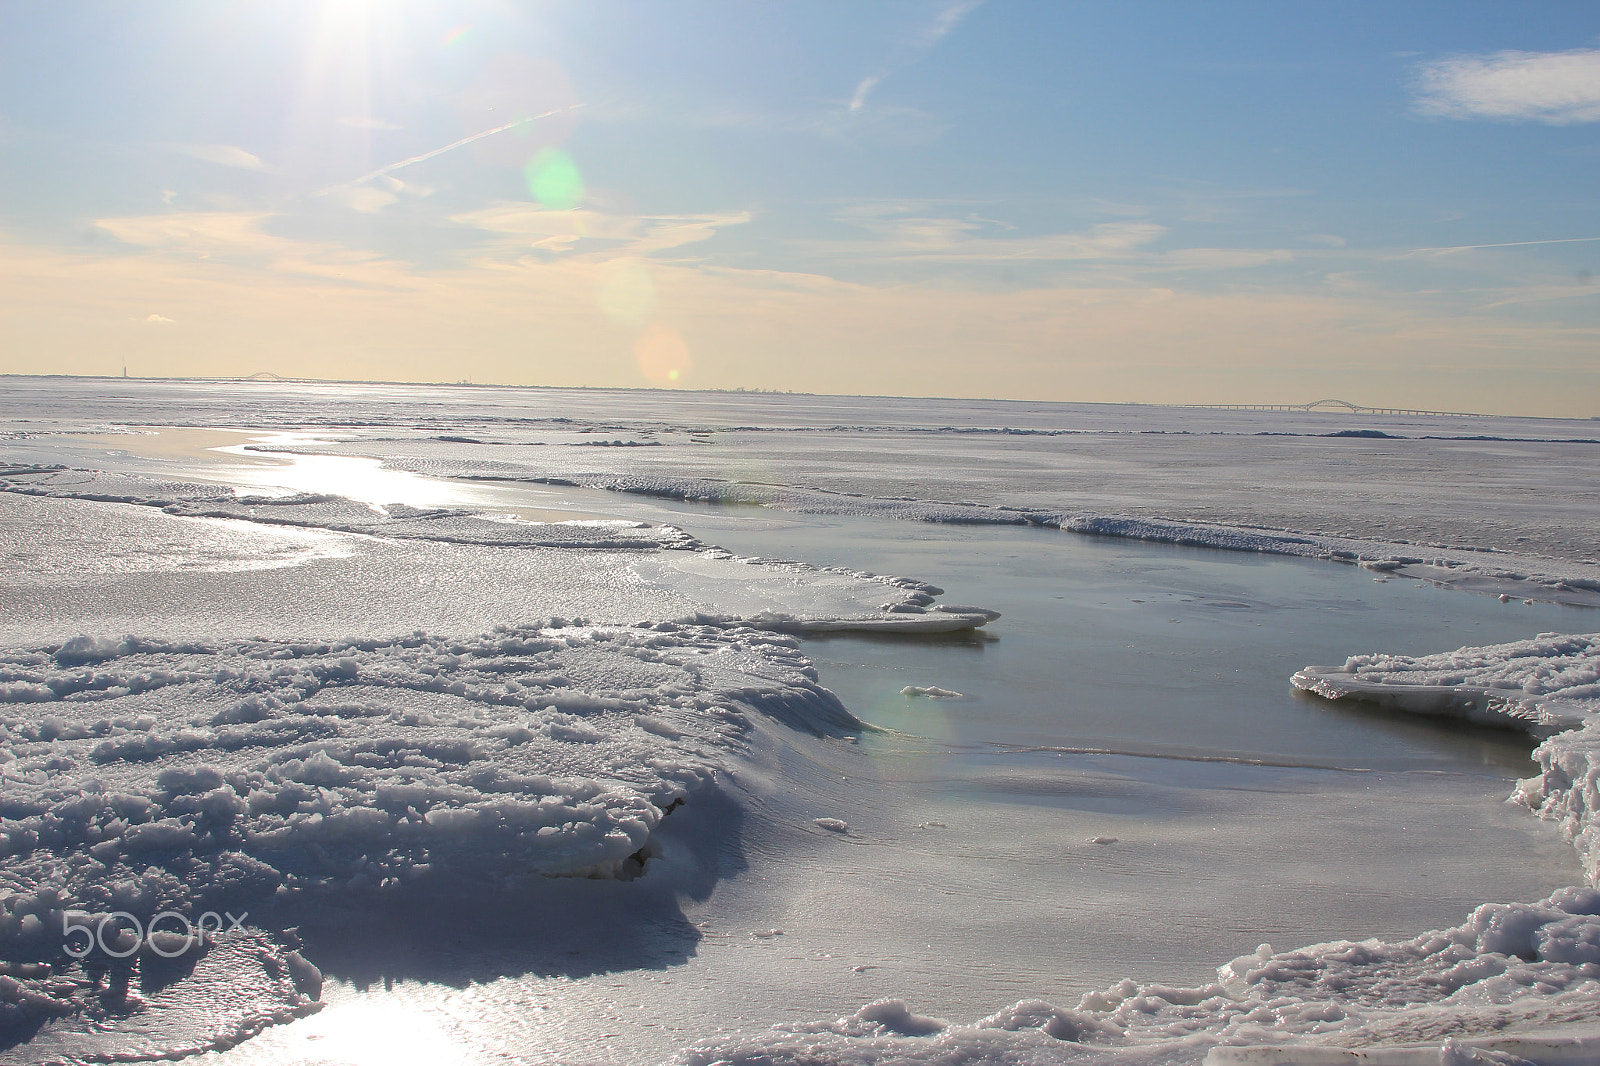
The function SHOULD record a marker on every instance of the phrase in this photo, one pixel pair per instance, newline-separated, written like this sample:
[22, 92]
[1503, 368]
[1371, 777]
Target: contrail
[1507, 244]
[452, 146]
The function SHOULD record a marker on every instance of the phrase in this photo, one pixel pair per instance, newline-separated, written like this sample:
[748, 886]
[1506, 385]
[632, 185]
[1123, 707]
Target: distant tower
[124, 369]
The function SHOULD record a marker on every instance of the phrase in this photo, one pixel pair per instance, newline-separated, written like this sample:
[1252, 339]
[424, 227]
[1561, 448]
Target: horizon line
[1306, 407]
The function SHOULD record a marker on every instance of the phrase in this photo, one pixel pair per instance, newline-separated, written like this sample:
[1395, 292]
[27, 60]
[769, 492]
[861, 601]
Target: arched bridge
[1324, 405]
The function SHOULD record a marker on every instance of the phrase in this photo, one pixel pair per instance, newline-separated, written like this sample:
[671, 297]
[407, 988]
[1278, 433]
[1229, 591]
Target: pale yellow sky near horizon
[216, 294]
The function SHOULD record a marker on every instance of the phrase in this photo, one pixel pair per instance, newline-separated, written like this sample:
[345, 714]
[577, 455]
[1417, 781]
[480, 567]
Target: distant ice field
[1112, 780]
[1511, 485]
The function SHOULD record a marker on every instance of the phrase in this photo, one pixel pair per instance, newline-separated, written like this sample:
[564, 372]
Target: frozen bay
[1020, 772]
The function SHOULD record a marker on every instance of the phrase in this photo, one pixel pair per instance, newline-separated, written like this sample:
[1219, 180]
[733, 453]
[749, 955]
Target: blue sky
[1172, 202]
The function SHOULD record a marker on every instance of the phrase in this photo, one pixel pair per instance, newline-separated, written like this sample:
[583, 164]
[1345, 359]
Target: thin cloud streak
[869, 83]
[1505, 244]
[936, 30]
[521, 226]
[452, 146]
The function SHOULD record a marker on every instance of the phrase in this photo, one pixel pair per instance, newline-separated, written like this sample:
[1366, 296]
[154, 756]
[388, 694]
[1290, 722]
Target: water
[1141, 692]
[1158, 649]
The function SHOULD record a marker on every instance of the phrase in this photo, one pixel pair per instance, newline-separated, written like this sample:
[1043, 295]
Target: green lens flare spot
[554, 181]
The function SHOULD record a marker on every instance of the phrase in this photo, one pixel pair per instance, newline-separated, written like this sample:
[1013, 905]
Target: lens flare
[662, 355]
[554, 181]
[626, 292]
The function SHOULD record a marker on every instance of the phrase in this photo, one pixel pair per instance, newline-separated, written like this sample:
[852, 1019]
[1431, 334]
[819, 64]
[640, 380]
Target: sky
[1206, 202]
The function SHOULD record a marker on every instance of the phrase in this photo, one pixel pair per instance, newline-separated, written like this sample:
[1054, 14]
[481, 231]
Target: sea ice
[1500, 983]
[206, 768]
[141, 776]
[467, 571]
[1549, 685]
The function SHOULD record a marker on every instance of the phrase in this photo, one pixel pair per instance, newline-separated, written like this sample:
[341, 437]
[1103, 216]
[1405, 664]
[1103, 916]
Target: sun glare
[351, 477]
[375, 1033]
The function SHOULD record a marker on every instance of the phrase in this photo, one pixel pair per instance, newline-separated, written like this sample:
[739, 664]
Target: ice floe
[140, 777]
[1548, 684]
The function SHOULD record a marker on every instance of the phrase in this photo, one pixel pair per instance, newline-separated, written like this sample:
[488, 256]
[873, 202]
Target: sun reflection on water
[353, 477]
[200, 455]
[372, 1032]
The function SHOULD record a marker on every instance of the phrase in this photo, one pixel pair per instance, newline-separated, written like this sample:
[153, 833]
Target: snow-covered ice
[142, 776]
[292, 727]
[1546, 685]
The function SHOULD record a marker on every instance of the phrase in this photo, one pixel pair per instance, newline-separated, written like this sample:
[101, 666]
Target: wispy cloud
[226, 155]
[372, 199]
[1558, 88]
[1111, 340]
[523, 226]
[1545, 294]
[199, 233]
[863, 90]
[925, 240]
[912, 48]
[239, 239]
[363, 198]
[932, 238]
[1121, 253]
